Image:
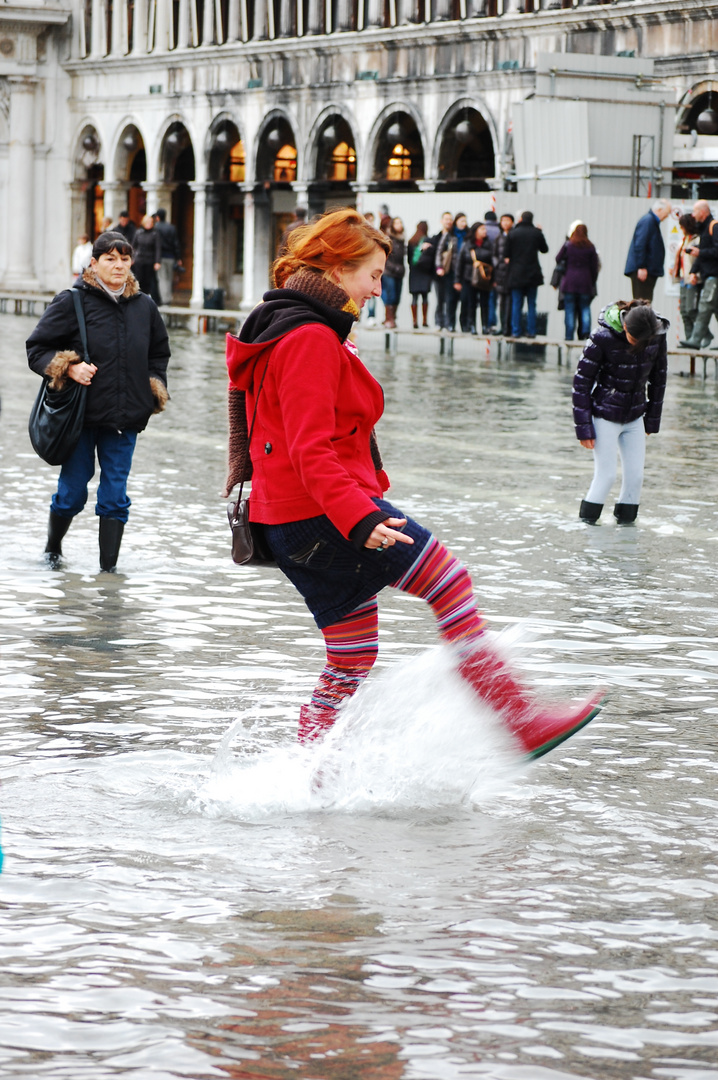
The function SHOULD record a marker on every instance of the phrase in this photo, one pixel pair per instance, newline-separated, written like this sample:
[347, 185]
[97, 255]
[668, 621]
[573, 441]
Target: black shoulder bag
[58, 416]
[249, 546]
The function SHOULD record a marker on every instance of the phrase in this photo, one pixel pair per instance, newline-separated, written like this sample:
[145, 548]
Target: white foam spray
[414, 736]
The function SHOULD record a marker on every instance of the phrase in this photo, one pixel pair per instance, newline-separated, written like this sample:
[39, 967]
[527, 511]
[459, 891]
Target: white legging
[628, 440]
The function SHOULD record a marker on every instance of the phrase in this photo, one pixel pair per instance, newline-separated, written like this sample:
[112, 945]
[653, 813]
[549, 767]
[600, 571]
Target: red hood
[242, 359]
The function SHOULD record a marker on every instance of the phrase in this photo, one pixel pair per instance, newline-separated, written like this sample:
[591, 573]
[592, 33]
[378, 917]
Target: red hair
[339, 238]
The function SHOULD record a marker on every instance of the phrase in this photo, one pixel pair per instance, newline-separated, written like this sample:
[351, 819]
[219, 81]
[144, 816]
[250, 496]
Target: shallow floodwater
[182, 898]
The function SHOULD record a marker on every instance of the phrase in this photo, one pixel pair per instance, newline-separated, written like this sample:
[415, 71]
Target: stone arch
[129, 160]
[175, 152]
[88, 171]
[398, 124]
[315, 153]
[700, 98]
[464, 153]
[222, 138]
[276, 136]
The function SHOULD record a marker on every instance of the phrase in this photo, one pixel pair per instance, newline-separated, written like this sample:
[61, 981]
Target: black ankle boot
[625, 513]
[590, 512]
[110, 539]
[56, 528]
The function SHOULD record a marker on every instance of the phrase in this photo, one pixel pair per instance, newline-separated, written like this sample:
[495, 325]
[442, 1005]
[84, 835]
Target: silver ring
[385, 542]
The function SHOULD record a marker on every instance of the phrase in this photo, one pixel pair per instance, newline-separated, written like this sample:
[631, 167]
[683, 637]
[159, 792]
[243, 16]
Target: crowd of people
[488, 270]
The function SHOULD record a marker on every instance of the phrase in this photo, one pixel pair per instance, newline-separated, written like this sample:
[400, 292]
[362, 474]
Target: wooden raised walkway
[446, 339]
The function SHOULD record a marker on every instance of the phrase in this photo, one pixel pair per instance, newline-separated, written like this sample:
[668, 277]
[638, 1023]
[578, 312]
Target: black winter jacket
[128, 343]
[525, 241]
[147, 245]
[616, 384]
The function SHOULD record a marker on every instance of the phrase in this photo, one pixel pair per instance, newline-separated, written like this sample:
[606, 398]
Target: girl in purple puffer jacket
[617, 399]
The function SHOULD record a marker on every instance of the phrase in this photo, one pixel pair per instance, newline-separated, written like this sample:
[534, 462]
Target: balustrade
[118, 27]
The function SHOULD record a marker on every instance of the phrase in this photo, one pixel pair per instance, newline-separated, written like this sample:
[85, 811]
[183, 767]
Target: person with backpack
[420, 251]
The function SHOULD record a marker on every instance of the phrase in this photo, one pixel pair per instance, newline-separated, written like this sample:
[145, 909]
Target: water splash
[414, 736]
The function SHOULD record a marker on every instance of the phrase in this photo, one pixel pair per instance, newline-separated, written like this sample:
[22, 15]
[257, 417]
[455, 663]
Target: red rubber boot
[314, 723]
[538, 727]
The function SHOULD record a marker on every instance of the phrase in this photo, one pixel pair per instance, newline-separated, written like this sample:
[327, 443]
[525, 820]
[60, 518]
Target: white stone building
[229, 113]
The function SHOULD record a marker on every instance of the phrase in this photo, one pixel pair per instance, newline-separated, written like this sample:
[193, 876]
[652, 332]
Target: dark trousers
[505, 313]
[452, 302]
[643, 290]
[147, 280]
[467, 320]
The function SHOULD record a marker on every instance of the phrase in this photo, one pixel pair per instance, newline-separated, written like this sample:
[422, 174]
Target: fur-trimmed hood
[89, 278]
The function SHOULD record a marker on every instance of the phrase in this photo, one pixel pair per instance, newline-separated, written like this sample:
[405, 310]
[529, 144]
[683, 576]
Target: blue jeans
[577, 305]
[517, 303]
[492, 308]
[391, 290]
[114, 453]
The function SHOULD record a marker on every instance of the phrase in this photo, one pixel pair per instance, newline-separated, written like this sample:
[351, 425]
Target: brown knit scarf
[317, 287]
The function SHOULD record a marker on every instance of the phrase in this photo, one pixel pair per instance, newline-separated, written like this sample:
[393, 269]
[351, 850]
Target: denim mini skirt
[331, 574]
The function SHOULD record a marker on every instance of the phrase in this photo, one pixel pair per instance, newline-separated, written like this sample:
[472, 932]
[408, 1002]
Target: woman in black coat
[126, 382]
[421, 271]
[147, 245]
[473, 285]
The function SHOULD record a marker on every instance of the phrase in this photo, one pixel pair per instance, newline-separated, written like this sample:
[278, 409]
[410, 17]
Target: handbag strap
[251, 430]
[79, 311]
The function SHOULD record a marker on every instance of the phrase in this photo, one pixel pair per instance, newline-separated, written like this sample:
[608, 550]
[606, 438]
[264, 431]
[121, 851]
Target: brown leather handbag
[249, 544]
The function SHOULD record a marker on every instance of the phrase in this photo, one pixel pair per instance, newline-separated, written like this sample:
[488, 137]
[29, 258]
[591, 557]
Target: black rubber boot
[590, 512]
[57, 526]
[110, 539]
[625, 513]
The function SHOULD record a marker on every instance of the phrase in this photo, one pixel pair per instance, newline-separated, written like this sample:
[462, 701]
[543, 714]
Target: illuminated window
[343, 164]
[236, 163]
[285, 164]
[399, 165]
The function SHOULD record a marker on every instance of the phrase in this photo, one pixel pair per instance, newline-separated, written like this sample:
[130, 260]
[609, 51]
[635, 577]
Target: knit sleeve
[239, 462]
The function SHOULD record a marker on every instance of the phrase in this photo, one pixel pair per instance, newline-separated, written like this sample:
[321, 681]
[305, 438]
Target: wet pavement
[179, 901]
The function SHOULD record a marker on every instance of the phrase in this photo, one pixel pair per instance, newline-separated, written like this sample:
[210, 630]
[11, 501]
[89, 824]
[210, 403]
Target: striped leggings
[352, 643]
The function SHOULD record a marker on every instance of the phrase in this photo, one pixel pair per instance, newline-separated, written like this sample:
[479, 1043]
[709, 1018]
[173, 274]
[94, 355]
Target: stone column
[163, 26]
[345, 15]
[98, 44]
[248, 297]
[442, 10]
[20, 273]
[374, 13]
[315, 17]
[182, 29]
[151, 190]
[198, 252]
[119, 28]
[208, 25]
[232, 30]
[260, 19]
[115, 196]
[139, 28]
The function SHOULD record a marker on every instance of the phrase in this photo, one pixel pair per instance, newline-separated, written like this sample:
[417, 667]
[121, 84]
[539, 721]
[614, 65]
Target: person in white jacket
[81, 255]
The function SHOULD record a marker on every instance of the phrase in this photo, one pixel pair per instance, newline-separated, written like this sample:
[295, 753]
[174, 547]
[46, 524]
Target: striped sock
[352, 645]
[440, 579]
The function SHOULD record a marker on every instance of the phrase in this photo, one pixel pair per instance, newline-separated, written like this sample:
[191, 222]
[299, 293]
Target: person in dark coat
[704, 272]
[444, 243]
[420, 251]
[493, 231]
[459, 233]
[394, 271]
[502, 289]
[525, 241]
[125, 225]
[148, 258]
[618, 393]
[647, 252]
[578, 284]
[170, 252]
[126, 383]
[475, 287]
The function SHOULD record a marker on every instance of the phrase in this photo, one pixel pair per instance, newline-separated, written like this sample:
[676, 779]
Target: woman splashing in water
[318, 484]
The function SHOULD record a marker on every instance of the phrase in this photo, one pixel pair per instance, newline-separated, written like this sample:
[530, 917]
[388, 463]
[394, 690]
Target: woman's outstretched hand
[387, 533]
[588, 443]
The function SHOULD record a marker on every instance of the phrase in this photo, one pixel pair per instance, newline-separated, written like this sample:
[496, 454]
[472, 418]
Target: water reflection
[176, 899]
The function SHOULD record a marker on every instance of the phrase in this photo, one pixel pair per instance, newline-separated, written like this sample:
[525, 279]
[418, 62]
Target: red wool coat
[311, 442]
